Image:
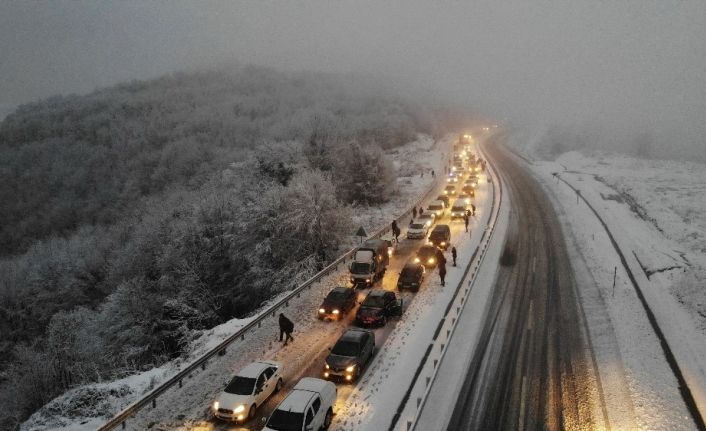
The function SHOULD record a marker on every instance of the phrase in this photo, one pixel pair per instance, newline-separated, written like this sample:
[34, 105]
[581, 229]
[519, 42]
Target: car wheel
[327, 420]
[252, 411]
[278, 387]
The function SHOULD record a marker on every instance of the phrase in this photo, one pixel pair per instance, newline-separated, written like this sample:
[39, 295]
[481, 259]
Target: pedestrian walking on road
[414, 212]
[395, 230]
[473, 208]
[441, 265]
[432, 173]
[286, 327]
[442, 274]
[465, 220]
[421, 211]
[453, 254]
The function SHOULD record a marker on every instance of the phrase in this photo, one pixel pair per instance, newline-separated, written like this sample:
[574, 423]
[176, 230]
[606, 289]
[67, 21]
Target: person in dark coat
[473, 207]
[414, 212]
[421, 210]
[465, 220]
[442, 266]
[286, 327]
[432, 173]
[453, 254]
[395, 230]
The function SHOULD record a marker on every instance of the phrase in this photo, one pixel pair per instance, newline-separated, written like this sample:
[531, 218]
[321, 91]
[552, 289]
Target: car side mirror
[396, 308]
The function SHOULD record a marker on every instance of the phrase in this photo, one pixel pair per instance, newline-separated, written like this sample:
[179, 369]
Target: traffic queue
[309, 406]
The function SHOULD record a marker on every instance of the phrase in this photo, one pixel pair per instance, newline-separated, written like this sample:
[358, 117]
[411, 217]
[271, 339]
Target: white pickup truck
[309, 407]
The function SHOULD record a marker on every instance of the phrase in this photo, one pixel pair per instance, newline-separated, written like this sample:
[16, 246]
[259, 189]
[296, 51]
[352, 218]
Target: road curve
[530, 369]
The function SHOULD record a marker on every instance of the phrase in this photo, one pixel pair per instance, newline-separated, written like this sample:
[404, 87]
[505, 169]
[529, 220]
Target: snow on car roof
[254, 369]
[296, 401]
[312, 384]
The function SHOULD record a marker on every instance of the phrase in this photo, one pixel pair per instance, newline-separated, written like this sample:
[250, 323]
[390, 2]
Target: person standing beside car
[286, 327]
[442, 266]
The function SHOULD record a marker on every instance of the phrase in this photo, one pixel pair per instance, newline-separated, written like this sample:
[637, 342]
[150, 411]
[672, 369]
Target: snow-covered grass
[655, 211]
[71, 411]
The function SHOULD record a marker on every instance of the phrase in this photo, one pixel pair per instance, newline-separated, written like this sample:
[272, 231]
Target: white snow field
[655, 210]
[78, 410]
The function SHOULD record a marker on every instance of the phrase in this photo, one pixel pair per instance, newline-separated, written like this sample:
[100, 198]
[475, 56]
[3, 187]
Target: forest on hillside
[137, 213]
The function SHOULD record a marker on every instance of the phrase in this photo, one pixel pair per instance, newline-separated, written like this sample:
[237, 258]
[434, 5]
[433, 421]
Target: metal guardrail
[176, 380]
[419, 389]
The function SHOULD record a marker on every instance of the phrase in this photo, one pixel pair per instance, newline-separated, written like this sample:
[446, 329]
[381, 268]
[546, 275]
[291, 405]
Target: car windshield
[417, 226]
[450, 188]
[374, 301]
[337, 295]
[458, 209]
[345, 348]
[360, 268]
[286, 421]
[426, 251]
[409, 273]
[240, 386]
[436, 207]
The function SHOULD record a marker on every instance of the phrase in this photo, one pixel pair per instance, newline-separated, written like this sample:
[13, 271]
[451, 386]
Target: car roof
[354, 334]
[340, 289]
[254, 369]
[459, 201]
[439, 227]
[412, 265]
[426, 215]
[427, 246]
[377, 292]
[297, 400]
[436, 202]
[450, 185]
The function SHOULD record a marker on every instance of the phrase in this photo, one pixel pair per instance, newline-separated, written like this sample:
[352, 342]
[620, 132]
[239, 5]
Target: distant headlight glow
[321, 310]
[335, 311]
[216, 405]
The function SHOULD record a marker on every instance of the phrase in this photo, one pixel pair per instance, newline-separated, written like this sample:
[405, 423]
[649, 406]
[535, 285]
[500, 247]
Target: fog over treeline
[619, 70]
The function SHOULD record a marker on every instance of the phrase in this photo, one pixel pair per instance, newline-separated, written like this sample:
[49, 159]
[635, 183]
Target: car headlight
[335, 311]
[321, 310]
[239, 409]
[327, 367]
[389, 252]
[216, 405]
[367, 280]
[438, 213]
[443, 242]
[352, 279]
[446, 192]
[431, 260]
[416, 260]
[351, 368]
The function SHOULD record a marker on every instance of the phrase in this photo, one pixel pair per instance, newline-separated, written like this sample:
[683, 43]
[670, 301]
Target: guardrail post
[409, 425]
[180, 383]
[154, 403]
[203, 366]
[428, 380]
[123, 424]
[419, 401]
[441, 348]
[436, 361]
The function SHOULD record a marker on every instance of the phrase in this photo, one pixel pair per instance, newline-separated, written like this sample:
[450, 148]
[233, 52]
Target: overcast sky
[638, 62]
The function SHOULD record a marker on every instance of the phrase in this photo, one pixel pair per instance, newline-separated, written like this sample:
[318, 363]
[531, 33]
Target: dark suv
[377, 307]
[350, 354]
[337, 303]
[441, 236]
[411, 276]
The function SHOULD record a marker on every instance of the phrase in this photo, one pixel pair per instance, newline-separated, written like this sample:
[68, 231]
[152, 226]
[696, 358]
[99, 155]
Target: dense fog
[614, 71]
